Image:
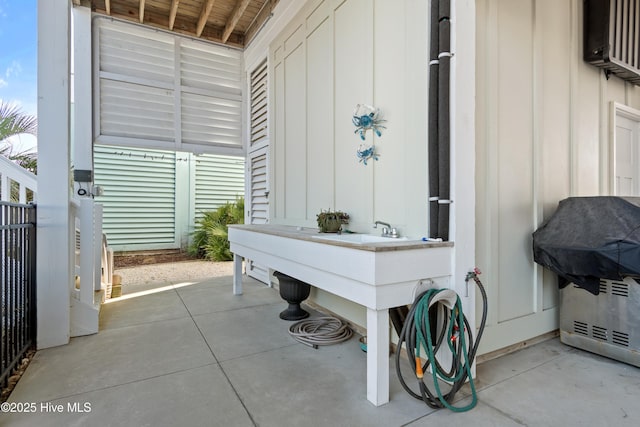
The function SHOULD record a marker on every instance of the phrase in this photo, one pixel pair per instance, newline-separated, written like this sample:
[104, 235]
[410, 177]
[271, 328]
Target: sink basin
[359, 238]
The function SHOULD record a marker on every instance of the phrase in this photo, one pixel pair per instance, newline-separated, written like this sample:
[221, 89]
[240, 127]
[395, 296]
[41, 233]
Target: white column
[237, 274]
[377, 356]
[54, 269]
[82, 90]
[463, 102]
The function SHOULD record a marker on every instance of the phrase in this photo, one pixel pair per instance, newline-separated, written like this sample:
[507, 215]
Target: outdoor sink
[360, 239]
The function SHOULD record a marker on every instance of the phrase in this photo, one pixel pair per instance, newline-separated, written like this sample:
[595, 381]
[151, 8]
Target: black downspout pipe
[433, 120]
[444, 153]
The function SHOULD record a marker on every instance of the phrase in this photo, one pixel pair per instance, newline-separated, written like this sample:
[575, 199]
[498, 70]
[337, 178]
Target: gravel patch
[173, 272]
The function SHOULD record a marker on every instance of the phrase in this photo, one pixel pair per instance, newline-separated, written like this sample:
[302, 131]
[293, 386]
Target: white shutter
[257, 203]
[258, 114]
[164, 91]
[139, 197]
[136, 111]
[259, 206]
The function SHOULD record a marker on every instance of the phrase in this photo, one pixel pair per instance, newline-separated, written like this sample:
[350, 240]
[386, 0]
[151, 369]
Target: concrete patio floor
[192, 354]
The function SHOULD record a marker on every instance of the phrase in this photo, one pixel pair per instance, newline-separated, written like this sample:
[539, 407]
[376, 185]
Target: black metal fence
[18, 291]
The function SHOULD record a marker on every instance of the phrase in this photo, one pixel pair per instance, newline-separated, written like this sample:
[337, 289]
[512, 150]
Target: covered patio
[185, 351]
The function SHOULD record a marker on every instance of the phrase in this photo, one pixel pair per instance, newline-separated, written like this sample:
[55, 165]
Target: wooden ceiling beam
[259, 20]
[141, 11]
[204, 15]
[241, 6]
[172, 13]
[107, 6]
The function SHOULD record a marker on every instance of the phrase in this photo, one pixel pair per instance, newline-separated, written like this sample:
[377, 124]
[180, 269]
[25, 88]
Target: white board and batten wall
[332, 56]
[545, 131]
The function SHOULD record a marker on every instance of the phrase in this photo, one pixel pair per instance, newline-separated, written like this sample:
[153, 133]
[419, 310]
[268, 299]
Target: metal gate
[18, 290]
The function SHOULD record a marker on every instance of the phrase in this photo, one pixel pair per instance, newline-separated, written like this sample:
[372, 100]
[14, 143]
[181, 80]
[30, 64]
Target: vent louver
[580, 328]
[620, 289]
[620, 338]
[599, 333]
[612, 37]
[603, 287]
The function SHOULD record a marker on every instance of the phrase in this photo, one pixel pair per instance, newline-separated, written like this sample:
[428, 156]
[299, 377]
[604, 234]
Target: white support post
[82, 90]
[54, 246]
[97, 248]
[463, 156]
[22, 194]
[87, 254]
[4, 188]
[377, 356]
[237, 274]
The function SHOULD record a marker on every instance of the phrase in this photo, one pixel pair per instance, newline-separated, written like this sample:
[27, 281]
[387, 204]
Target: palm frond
[14, 122]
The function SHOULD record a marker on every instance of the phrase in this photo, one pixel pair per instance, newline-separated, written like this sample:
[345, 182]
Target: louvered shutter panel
[258, 117]
[163, 91]
[259, 213]
[211, 94]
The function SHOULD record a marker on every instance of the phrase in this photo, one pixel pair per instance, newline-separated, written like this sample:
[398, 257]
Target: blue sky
[18, 53]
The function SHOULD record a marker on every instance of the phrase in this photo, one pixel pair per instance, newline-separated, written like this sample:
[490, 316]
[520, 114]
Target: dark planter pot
[294, 292]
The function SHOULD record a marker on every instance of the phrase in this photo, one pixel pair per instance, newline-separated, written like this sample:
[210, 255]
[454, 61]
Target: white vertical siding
[331, 57]
[542, 135]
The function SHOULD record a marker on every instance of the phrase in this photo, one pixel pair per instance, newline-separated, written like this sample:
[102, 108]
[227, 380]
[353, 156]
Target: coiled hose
[430, 323]
[320, 331]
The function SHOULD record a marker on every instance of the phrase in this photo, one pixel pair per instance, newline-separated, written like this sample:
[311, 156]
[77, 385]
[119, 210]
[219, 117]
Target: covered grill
[591, 238]
[593, 243]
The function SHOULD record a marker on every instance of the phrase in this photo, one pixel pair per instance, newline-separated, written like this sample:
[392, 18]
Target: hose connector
[419, 372]
[473, 274]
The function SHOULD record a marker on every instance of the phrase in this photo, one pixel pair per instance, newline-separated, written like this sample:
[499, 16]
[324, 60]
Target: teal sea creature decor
[366, 152]
[366, 117]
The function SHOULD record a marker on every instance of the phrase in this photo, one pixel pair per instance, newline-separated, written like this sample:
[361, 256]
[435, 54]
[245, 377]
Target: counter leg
[237, 274]
[378, 356]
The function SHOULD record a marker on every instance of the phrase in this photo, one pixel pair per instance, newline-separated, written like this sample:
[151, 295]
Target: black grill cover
[589, 238]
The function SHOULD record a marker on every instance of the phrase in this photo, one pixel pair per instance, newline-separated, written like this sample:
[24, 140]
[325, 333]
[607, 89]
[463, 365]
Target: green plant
[331, 222]
[210, 238]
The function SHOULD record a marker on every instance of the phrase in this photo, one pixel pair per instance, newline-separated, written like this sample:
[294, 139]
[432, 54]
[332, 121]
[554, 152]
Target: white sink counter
[377, 275]
[312, 234]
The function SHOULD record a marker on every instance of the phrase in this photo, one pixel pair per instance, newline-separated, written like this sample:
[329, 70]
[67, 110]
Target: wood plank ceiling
[230, 22]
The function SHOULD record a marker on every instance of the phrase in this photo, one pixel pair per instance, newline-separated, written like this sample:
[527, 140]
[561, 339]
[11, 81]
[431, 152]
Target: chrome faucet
[387, 230]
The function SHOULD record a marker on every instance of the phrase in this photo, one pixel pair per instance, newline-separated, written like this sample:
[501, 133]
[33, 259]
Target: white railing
[12, 173]
[92, 265]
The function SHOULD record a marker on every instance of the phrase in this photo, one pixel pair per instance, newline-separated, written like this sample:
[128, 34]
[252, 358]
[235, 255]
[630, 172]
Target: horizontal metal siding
[218, 180]
[139, 196]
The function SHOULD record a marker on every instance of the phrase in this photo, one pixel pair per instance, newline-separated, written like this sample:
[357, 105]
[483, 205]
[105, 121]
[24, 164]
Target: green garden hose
[436, 317]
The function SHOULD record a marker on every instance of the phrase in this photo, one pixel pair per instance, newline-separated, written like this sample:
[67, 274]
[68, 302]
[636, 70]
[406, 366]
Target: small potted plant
[331, 222]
